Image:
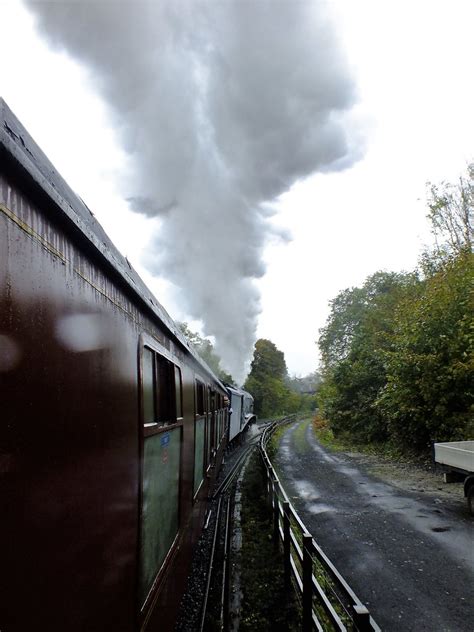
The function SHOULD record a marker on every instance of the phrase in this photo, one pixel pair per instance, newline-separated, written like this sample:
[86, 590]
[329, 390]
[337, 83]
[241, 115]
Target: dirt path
[405, 547]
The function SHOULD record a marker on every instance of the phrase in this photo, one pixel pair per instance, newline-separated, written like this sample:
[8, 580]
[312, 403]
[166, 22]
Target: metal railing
[328, 602]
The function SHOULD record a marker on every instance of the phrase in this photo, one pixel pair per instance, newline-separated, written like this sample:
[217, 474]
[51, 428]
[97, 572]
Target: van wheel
[470, 500]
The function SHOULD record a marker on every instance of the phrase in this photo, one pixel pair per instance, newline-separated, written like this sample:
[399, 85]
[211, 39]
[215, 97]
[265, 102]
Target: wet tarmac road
[409, 558]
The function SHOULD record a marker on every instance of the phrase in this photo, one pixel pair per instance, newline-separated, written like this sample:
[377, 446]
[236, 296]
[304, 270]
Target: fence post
[287, 543]
[269, 488]
[276, 517]
[307, 583]
[362, 618]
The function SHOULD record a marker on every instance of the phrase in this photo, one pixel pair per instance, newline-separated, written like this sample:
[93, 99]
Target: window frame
[159, 352]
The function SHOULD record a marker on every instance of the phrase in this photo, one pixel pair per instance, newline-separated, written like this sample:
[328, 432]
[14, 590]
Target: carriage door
[162, 428]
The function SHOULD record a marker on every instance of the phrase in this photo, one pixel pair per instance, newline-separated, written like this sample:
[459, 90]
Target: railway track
[205, 606]
[215, 609]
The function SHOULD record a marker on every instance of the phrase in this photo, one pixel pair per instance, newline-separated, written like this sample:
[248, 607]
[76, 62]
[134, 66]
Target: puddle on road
[284, 453]
[350, 471]
[319, 508]
[324, 456]
[306, 490]
[440, 529]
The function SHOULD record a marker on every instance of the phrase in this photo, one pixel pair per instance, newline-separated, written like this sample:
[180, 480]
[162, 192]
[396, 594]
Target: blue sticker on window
[165, 439]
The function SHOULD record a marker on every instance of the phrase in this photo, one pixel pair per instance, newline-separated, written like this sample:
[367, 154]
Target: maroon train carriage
[111, 428]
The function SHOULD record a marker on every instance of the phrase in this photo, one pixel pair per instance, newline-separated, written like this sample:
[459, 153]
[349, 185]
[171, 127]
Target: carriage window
[161, 390]
[199, 398]
[178, 390]
[199, 437]
[149, 412]
[165, 391]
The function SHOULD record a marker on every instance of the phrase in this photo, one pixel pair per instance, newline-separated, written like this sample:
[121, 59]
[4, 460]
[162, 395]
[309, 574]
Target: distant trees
[306, 385]
[266, 380]
[398, 352]
[273, 391]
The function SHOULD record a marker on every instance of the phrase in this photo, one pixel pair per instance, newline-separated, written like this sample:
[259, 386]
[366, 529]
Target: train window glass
[216, 429]
[161, 391]
[198, 453]
[199, 398]
[149, 412]
[210, 424]
[165, 391]
[160, 504]
[178, 392]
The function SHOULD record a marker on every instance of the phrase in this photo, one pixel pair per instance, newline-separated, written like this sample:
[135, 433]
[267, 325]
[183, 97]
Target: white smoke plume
[223, 105]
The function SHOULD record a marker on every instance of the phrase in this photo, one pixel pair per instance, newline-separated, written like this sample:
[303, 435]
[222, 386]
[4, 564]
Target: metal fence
[328, 602]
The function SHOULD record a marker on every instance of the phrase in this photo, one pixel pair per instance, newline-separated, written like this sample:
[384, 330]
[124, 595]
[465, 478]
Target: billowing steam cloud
[224, 105]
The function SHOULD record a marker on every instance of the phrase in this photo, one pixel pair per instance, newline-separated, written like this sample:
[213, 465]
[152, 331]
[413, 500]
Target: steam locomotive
[112, 429]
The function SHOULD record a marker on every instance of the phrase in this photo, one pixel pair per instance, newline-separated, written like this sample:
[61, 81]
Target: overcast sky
[408, 91]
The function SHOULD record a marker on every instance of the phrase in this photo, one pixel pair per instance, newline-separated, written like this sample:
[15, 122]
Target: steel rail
[225, 484]
[226, 568]
[211, 567]
[223, 493]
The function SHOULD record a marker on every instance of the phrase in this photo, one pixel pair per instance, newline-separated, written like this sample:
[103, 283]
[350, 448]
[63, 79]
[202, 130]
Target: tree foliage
[398, 352]
[353, 345]
[429, 393]
[352, 311]
[306, 385]
[452, 214]
[270, 385]
[266, 380]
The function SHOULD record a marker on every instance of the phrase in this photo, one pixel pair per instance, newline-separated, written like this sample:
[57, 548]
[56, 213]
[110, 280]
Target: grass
[344, 442]
[299, 437]
[266, 606]
[275, 440]
[326, 436]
